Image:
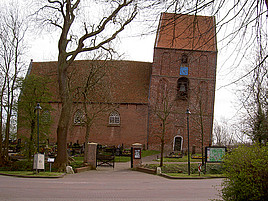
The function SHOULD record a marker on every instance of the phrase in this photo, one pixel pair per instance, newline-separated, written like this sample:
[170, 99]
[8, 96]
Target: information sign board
[39, 162]
[215, 154]
[137, 153]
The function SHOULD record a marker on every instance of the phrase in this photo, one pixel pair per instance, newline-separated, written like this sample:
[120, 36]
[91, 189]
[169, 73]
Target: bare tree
[253, 98]
[223, 134]
[12, 32]
[162, 109]
[112, 19]
[94, 93]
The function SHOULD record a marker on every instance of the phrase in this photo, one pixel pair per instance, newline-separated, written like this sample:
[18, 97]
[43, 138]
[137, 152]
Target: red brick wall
[132, 128]
[134, 117]
[201, 76]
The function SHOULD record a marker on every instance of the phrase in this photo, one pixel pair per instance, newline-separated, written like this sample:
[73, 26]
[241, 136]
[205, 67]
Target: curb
[194, 178]
[151, 171]
[146, 170]
[25, 176]
[82, 169]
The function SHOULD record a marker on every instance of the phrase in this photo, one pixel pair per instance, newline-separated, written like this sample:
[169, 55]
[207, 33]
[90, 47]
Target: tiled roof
[189, 32]
[127, 81]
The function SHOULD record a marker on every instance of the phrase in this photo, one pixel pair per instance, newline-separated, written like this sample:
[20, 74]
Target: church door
[177, 143]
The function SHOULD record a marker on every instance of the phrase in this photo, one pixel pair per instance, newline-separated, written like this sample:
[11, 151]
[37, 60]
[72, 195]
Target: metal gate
[105, 156]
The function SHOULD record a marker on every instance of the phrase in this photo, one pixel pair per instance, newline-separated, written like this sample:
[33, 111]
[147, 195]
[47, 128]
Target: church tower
[183, 77]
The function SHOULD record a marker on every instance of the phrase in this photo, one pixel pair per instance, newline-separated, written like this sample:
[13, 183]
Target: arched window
[183, 88]
[114, 118]
[78, 117]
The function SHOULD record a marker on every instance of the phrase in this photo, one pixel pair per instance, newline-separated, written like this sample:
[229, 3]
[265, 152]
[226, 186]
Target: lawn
[183, 159]
[32, 173]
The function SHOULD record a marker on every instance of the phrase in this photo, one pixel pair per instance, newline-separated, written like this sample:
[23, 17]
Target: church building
[143, 102]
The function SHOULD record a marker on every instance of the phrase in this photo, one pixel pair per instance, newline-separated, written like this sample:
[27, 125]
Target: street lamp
[38, 108]
[188, 114]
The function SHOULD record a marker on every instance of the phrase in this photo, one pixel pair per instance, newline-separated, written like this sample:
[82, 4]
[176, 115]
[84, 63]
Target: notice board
[215, 154]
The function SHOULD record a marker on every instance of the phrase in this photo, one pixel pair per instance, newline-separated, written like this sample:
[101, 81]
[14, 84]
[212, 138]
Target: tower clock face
[183, 70]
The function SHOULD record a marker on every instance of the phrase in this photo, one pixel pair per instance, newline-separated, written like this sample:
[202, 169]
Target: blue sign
[183, 70]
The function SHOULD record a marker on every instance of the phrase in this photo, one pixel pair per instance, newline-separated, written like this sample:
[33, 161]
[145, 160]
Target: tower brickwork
[183, 77]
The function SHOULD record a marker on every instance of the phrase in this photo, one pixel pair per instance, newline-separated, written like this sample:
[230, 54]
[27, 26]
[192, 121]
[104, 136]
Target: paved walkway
[118, 184]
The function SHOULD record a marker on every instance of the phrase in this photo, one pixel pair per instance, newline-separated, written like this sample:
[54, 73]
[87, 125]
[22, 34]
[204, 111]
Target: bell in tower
[182, 88]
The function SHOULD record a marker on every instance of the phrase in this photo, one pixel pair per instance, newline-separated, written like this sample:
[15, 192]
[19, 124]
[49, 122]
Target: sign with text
[137, 153]
[215, 154]
[50, 160]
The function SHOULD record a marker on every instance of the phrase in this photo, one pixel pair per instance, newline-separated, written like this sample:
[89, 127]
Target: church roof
[187, 32]
[124, 81]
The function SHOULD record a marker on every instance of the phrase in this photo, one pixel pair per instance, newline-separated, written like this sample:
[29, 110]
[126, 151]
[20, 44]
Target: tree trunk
[162, 152]
[162, 143]
[1, 136]
[86, 141]
[62, 130]
[30, 144]
[7, 136]
[202, 131]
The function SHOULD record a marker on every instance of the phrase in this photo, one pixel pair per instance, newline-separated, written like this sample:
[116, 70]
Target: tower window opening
[182, 88]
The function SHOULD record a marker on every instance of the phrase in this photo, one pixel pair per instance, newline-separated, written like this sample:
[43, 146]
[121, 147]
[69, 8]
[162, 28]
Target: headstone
[158, 170]
[69, 170]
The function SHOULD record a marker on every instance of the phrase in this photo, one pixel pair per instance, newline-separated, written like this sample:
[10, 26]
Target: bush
[23, 165]
[246, 169]
[18, 166]
[77, 164]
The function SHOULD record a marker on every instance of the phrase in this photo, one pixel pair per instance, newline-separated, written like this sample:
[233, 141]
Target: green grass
[183, 159]
[80, 158]
[32, 173]
[122, 159]
[145, 153]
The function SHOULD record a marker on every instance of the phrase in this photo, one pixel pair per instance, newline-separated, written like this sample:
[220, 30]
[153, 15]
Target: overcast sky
[43, 47]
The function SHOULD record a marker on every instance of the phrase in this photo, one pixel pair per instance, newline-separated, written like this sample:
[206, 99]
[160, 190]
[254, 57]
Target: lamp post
[38, 108]
[188, 114]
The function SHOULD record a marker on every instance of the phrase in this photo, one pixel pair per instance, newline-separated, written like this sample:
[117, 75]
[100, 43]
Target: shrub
[18, 166]
[23, 165]
[77, 164]
[246, 169]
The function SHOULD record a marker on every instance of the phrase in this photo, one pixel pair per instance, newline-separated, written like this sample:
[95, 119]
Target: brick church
[141, 101]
